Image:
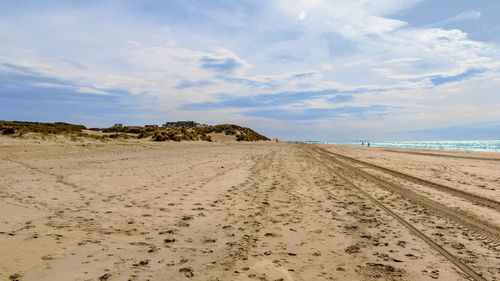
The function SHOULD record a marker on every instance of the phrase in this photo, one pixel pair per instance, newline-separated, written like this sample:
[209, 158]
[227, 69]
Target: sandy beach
[245, 211]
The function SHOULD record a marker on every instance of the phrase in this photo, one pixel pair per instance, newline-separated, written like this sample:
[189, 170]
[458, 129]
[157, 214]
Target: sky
[338, 70]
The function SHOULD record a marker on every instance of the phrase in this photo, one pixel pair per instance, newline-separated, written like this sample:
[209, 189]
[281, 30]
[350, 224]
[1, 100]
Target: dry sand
[243, 211]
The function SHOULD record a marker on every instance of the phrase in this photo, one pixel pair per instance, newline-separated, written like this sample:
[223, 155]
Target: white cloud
[468, 15]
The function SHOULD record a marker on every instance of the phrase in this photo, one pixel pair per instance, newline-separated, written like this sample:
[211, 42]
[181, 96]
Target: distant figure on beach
[368, 145]
[362, 144]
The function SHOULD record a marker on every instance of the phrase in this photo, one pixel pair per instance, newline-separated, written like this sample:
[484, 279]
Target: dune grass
[19, 128]
[12, 127]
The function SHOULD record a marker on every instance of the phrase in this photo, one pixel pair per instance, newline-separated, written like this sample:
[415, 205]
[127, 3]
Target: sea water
[465, 145]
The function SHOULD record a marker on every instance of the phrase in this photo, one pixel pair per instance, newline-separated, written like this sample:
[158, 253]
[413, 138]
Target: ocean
[464, 145]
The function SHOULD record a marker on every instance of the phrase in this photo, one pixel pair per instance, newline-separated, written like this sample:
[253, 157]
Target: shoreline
[410, 149]
[379, 144]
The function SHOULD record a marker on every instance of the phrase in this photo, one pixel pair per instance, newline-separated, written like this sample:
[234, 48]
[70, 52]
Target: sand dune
[243, 211]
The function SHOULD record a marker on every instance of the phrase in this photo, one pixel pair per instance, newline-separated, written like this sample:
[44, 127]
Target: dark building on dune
[182, 124]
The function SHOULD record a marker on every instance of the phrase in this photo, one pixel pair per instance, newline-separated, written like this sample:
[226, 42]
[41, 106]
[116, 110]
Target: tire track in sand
[488, 231]
[465, 268]
[485, 201]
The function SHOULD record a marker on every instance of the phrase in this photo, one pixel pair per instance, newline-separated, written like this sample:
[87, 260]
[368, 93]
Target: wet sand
[244, 211]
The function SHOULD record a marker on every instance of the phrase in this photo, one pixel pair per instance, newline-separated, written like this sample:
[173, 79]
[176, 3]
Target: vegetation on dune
[189, 133]
[18, 128]
[12, 127]
[180, 134]
[241, 133]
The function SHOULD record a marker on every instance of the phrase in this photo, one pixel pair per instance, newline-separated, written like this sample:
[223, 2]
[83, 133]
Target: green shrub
[7, 131]
[165, 135]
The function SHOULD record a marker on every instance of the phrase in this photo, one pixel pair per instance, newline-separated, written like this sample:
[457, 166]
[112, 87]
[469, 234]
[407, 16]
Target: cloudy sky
[297, 70]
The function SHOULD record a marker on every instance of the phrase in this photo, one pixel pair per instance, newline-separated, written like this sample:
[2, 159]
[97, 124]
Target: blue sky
[297, 70]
